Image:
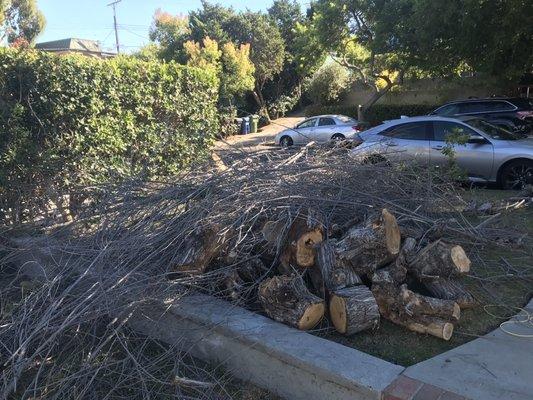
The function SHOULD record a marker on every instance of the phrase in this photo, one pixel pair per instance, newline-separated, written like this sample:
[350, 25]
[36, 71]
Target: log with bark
[335, 275]
[448, 289]
[287, 300]
[297, 239]
[364, 249]
[439, 260]
[353, 310]
[198, 250]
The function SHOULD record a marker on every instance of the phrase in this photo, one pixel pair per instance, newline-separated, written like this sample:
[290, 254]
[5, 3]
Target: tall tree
[170, 32]
[363, 36]
[20, 19]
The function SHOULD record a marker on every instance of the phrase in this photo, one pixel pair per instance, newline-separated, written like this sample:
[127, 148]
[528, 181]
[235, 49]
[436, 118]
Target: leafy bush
[73, 120]
[377, 113]
[328, 84]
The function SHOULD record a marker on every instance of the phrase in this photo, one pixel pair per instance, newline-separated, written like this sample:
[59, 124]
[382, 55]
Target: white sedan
[321, 129]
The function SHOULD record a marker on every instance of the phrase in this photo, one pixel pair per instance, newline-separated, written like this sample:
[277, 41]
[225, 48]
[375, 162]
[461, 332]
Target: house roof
[71, 44]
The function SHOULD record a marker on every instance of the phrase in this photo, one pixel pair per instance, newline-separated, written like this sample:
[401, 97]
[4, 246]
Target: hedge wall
[377, 113]
[69, 120]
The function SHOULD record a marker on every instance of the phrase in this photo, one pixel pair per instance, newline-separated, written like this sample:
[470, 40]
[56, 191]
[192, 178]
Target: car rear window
[344, 118]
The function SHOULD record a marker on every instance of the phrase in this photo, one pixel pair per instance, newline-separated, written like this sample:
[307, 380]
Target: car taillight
[358, 128]
[524, 114]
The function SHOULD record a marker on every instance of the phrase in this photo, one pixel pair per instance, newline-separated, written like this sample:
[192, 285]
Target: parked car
[321, 129]
[515, 114]
[492, 154]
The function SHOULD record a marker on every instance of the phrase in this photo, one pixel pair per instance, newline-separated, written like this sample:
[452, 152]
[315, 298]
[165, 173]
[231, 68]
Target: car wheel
[286, 141]
[517, 175]
[338, 137]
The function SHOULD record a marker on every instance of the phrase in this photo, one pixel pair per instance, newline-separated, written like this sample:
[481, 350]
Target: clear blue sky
[92, 19]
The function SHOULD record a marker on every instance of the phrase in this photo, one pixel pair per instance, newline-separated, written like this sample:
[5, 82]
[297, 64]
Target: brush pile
[299, 238]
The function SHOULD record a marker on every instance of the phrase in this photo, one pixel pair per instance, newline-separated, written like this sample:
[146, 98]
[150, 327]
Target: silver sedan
[321, 129]
[490, 154]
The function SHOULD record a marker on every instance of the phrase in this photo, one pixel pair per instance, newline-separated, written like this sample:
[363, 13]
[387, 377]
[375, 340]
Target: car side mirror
[476, 139]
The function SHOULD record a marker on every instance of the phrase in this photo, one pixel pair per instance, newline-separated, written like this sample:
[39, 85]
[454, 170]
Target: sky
[93, 19]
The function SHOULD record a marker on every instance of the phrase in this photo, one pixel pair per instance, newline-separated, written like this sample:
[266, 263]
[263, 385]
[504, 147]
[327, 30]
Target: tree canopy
[20, 19]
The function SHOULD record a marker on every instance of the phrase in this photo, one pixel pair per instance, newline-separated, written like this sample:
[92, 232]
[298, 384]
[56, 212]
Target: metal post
[115, 23]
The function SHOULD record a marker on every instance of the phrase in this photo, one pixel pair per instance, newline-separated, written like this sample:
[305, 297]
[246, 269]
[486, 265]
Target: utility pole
[115, 23]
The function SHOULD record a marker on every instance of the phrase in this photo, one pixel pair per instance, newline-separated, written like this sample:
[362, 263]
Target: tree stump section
[287, 300]
[364, 249]
[447, 289]
[353, 310]
[440, 259]
[335, 275]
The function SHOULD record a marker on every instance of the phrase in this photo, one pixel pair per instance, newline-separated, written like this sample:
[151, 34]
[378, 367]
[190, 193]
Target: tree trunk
[305, 232]
[439, 259]
[363, 250]
[335, 275]
[287, 300]
[450, 290]
[198, 250]
[353, 310]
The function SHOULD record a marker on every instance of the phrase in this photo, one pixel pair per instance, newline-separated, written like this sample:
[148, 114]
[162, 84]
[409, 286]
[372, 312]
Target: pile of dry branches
[65, 334]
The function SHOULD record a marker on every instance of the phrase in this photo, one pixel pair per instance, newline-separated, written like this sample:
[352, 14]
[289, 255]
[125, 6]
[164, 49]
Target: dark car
[515, 114]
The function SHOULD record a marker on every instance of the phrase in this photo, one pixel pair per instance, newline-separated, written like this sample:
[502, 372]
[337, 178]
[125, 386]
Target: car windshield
[495, 132]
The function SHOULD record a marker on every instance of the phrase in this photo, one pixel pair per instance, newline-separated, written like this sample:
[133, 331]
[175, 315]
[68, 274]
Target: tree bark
[198, 250]
[365, 249]
[417, 304]
[353, 310]
[447, 289]
[440, 259]
[334, 274]
[287, 300]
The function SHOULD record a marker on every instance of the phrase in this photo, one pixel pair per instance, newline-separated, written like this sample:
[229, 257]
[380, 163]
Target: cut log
[305, 232]
[417, 304]
[353, 310]
[447, 289]
[287, 300]
[364, 249]
[440, 259]
[427, 325]
[198, 250]
[335, 275]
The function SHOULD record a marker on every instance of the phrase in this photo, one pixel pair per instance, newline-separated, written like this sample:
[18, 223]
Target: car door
[408, 142]
[326, 129]
[476, 156]
[306, 131]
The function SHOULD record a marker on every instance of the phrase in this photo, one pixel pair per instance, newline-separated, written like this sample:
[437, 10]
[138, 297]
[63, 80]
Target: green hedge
[377, 113]
[74, 120]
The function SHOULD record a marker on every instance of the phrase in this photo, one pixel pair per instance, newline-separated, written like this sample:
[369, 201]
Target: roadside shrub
[377, 113]
[329, 84]
[72, 120]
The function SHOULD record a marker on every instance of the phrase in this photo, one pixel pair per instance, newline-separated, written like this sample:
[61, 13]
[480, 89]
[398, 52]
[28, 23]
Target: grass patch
[501, 280]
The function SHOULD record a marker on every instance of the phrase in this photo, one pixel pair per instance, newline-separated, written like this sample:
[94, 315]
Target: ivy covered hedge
[377, 113]
[74, 120]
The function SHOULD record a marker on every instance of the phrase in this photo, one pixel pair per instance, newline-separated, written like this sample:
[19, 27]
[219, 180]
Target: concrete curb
[287, 362]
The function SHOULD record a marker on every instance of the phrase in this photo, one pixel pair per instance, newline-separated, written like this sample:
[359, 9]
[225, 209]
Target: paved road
[255, 142]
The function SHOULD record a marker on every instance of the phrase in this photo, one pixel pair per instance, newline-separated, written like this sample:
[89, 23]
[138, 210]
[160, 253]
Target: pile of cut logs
[354, 274]
[363, 275]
